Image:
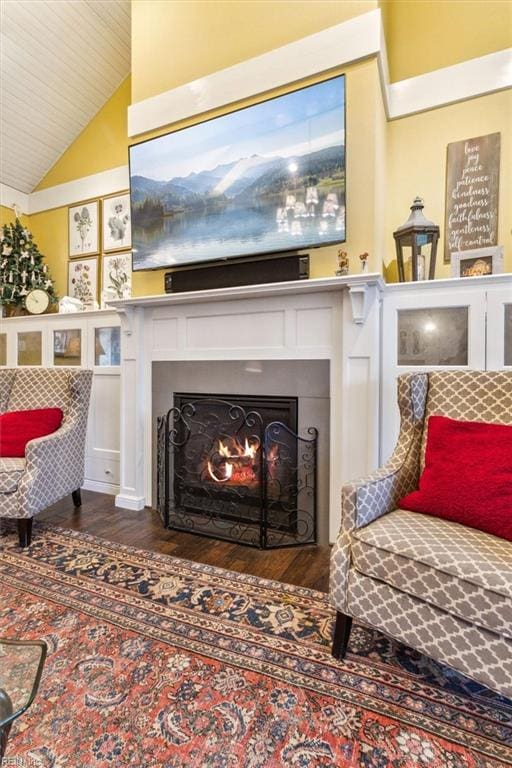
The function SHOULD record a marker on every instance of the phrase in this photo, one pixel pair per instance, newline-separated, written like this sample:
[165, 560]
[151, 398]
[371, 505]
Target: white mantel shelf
[315, 285]
[298, 287]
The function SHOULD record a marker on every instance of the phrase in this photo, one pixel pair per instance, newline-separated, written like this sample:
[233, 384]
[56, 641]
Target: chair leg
[77, 498]
[25, 531]
[341, 635]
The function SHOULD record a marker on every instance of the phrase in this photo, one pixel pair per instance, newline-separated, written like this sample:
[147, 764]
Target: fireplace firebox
[235, 468]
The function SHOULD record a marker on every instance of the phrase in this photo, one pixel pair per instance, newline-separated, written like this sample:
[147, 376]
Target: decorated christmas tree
[21, 266]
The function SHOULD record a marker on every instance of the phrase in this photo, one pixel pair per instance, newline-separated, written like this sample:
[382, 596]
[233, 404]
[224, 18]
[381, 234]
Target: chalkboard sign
[472, 185]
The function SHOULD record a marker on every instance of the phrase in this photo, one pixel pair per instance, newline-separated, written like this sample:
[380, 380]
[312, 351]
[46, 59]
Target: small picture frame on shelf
[477, 262]
[116, 277]
[83, 281]
[83, 229]
[117, 225]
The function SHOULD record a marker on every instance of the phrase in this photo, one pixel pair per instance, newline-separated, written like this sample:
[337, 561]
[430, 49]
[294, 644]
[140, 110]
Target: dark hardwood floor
[304, 566]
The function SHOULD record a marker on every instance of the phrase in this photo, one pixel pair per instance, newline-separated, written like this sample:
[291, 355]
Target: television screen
[264, 179]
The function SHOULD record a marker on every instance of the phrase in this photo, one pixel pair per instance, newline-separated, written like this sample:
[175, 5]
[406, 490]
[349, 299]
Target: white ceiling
[61, 60]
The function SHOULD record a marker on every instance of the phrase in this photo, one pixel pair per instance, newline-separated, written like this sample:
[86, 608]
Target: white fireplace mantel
[335, 319]
[358, 287]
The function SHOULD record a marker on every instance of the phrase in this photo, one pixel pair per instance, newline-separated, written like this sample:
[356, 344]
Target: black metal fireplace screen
[231, 470]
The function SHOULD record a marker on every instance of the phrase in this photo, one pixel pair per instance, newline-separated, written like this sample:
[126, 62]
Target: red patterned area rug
[156, 662]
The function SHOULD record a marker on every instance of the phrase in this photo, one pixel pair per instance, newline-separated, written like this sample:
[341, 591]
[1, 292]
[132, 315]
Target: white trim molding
[475, 77]
[85, 188]
[97, 487]
[10, 197]
[133, 503]
[352, 40]
[96, 185]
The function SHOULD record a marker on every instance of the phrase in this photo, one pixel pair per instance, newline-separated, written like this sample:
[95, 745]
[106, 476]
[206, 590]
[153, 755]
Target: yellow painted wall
[7, 216]
[100, 146]
[50, 231]
[416, 165]
[423, 35]
[179, 41]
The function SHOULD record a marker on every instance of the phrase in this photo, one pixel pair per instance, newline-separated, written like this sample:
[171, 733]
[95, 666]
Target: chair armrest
[373, 496]
[38, 448]
[368, 499]
[55, 467]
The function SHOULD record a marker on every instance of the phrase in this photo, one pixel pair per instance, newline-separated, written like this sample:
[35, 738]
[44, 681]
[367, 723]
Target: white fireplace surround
[335, 319]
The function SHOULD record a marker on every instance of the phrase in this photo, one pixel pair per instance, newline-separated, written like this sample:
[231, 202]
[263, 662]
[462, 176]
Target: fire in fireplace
[234, 463]
[235, 468]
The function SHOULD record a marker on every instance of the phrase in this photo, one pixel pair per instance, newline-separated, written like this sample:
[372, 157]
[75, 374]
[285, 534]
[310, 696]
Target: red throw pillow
[467, 476]
[17, 428]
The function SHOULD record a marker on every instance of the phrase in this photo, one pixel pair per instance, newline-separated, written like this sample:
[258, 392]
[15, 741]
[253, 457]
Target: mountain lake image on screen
[264, 179]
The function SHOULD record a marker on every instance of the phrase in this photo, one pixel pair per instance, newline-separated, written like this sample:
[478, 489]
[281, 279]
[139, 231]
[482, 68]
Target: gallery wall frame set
[116, 278]
[101, 225]
[100, 228]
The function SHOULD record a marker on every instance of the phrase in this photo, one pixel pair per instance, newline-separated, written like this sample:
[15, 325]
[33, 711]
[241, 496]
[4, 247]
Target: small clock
[37, 301]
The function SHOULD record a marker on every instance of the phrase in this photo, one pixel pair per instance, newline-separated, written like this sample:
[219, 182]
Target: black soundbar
[273, 269]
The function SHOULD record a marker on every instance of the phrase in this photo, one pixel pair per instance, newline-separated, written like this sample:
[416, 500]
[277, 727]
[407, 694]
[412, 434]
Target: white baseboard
[135, 503]
[94, 485]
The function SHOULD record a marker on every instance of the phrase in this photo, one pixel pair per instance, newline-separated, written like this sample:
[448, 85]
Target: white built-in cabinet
[87, 340]
[464, 323]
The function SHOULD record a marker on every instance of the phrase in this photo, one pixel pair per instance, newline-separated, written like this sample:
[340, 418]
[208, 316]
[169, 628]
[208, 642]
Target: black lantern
[416, 233]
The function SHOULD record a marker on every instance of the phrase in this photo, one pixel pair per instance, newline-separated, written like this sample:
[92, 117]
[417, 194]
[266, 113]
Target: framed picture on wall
[117, 226]
[478, 262]
[116, 276]
[84, 229]
[83, 281]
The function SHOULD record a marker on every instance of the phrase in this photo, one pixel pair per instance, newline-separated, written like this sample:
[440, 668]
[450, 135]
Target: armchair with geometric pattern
[53, 466]
[440, 587]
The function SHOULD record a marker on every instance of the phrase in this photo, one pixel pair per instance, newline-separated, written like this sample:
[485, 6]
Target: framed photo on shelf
[116, 276]
[84, 229]
[478, 262]
[117, 225]
[83, 281]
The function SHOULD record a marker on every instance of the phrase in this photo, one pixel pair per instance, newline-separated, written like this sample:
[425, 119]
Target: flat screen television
[264, 179]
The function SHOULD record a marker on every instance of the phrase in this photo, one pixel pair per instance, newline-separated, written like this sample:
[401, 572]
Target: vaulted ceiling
[61, 60]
